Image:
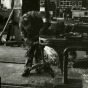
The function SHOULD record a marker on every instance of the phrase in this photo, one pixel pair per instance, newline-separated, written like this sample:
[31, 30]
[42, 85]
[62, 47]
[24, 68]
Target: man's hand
[35, 43]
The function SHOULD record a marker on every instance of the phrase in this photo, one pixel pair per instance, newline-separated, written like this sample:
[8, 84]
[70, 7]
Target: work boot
[26, 72]
[38, 70]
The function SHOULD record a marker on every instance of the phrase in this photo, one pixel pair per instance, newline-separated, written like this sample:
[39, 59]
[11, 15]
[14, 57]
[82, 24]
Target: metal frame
[82, 48]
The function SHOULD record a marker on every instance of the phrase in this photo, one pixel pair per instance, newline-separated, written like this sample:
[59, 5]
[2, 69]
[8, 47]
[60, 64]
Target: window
[7, 3]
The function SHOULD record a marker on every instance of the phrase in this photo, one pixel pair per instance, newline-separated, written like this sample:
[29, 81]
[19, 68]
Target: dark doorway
[84, 3]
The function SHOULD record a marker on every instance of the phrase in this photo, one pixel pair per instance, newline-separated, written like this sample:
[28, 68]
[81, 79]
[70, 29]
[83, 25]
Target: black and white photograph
[43, 43]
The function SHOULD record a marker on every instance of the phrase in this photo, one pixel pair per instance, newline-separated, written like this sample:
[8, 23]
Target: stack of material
[51, 55]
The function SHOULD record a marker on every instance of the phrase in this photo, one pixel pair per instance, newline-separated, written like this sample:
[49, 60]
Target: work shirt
[30, 24]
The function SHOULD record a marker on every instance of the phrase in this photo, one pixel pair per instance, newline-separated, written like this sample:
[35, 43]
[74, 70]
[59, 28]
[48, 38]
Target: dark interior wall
[30, 5]
[85, 3]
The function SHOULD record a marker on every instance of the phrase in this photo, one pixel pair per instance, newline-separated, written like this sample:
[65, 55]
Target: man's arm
[45, 27]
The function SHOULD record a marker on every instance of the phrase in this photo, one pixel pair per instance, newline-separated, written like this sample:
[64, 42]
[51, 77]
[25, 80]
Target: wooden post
[47, 5]
[12, 4]
[15, 22]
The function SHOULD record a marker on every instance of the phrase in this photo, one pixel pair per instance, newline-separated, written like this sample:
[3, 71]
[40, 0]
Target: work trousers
[33, 52]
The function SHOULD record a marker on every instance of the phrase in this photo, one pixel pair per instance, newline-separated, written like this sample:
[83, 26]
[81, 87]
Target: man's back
[31, 23]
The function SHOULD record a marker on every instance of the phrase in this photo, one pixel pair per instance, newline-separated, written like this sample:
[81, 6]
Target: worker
[31, 26]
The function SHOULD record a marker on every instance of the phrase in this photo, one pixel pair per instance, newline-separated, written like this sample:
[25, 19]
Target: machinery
[12, 23]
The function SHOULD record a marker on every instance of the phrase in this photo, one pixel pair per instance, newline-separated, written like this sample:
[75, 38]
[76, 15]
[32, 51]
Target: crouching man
[31, 25]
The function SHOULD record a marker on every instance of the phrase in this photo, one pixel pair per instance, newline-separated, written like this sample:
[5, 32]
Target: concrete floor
[10, 73]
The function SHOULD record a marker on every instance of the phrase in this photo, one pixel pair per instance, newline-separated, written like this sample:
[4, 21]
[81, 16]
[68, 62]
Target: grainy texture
[11, 73]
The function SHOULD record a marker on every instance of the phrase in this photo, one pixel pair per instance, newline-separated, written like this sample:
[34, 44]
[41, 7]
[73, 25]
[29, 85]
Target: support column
[57, 8]
[0, 3]
[47, 5]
